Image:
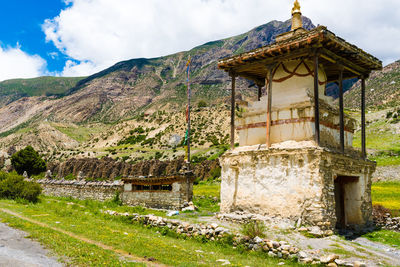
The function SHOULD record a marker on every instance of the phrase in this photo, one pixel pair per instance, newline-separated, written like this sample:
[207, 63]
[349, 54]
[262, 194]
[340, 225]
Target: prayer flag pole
[188, 112]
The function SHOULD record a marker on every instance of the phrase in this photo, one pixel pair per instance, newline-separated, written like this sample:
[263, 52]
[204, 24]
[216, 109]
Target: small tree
[28, 160]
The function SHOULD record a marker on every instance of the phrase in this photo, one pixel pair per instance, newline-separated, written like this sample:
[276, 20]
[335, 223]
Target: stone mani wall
[173, 199]
[103, 191]
[295, 184]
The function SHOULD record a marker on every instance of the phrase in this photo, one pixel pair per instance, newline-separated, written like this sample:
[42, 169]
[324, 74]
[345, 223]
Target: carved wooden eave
[334, 52]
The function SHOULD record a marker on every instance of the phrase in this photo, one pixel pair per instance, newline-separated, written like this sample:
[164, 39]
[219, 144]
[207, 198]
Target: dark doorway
[343, 197]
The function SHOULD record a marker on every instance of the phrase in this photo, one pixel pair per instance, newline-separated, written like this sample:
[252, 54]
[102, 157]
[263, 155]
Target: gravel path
[16, 250]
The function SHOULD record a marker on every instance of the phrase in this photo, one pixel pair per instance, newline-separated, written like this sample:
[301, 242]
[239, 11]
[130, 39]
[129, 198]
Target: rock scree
[110, 169]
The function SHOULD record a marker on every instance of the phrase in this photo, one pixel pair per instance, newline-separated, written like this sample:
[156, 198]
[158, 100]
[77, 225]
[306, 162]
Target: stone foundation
[296, 183]
[173, 199]
[103, 191]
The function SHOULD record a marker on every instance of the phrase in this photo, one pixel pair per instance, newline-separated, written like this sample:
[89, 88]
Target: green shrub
[202, 104]
[215, 173]
[28, 160]
[253, 229]
[13, 186]
[70, 177]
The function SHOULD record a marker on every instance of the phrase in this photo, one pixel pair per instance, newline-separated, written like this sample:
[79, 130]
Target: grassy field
[207, 189]
[387, 194]
[382, 140]
[79, 133]
[84, 220]
[384, 236]
[38, 86]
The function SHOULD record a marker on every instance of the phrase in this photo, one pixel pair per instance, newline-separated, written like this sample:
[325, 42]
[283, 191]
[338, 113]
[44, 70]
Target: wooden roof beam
[253, 78]
[276, 59]
[347, 64]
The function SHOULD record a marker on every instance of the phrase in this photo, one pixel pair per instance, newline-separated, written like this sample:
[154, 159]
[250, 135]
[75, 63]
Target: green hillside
[41, 86]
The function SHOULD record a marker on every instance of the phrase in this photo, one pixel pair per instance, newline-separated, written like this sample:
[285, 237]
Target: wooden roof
[335, 53]
[157, 180]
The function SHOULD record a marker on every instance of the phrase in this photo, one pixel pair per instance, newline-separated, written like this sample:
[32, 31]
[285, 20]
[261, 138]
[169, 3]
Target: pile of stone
[392, 224]
[210, 231]
[83, 183]
[383, 219]
[242, 217]
[108, 168]
[389, 223]
[215, 232]
[274, 222]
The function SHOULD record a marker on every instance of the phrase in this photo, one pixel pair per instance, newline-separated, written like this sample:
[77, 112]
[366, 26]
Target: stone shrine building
[295, 158]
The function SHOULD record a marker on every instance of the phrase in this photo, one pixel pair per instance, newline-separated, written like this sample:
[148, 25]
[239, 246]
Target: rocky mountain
[67, 113]
[132, 86]
[382, 89]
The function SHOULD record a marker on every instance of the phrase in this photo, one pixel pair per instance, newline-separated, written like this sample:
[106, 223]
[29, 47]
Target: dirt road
[16, 250]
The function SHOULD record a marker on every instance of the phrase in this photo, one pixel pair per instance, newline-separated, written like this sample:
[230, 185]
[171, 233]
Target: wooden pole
[188, 111]
[233, 95]
[259, 92]
[316, 99]
[341, 110]
[363, 143]
[269, 106]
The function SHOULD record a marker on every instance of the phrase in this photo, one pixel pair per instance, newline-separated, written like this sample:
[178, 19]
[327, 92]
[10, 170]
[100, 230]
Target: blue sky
[22, 21]
[81, 37]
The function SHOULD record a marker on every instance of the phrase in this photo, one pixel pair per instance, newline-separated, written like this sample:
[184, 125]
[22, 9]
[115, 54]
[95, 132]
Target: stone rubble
[214, 232]
[387, 222]
[275, 222]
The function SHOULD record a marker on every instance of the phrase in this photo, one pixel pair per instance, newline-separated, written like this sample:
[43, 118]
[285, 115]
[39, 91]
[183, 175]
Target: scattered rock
[329, 259]
[359, 264]
[48, 175]
[257, 240]
[224, 262]
[316, 231]
[302, 255]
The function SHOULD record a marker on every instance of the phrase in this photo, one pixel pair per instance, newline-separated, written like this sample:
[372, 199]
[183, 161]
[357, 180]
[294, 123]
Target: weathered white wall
[296, 89]
[295, 183]
[293, 112]
[269, 183]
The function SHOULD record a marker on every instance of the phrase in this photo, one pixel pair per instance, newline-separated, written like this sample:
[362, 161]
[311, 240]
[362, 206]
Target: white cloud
[15, 63]
[74, 69]
[99, 33]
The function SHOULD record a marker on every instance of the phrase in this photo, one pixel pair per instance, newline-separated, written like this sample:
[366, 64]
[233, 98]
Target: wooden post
[233, 95]
[316, 99]
[269, 105]
[259, 92]
[341, 112]
[363, 143]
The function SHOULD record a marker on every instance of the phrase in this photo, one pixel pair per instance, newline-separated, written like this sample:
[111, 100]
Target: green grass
[386, 160]
[38, 86]
[387, 194]
[381, 139]
[385, 237]
[209, 189]
[79, 133]
[84, 218]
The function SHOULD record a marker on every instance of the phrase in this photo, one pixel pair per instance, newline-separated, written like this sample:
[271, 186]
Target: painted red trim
[289, 121]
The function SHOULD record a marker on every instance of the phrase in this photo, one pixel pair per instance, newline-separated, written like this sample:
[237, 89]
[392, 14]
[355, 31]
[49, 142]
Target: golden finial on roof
[296, 7]
[297, 22]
